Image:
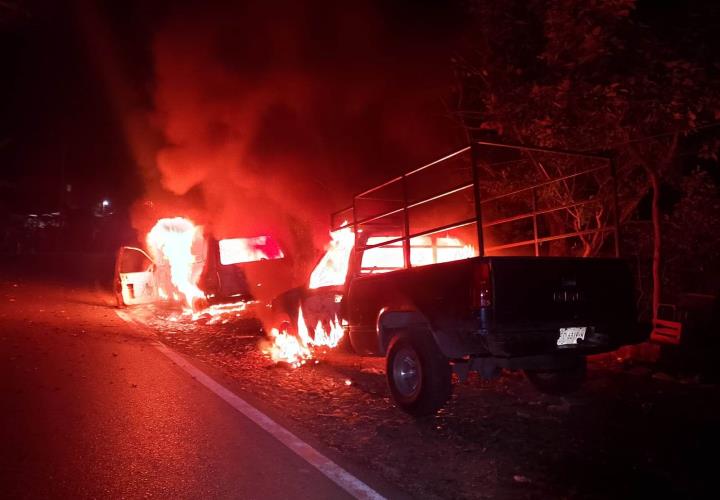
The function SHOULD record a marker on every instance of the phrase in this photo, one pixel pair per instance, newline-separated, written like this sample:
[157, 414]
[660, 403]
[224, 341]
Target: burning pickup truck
[186, 266]
[492, 257]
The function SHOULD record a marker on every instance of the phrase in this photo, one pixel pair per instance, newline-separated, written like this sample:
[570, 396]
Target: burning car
[182, 264]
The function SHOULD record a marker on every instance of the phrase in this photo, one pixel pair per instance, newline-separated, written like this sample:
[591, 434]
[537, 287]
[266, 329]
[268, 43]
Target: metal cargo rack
[506, 198]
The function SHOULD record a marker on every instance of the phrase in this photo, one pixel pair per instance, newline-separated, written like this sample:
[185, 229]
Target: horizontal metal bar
[544, 150]
[399, 200]
[412, 172]
[384, 243]
[576, 233]
[376, 217]
[444, 193]
[395, 179]
[545, 183]
[505, 220]
[542, 211]
[510, 245]
[392, 244]
[447, 227]
[551, 238]
[487, 224]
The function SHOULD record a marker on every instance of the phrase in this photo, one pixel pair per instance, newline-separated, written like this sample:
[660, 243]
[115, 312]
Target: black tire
[416, 393]
[558, 381]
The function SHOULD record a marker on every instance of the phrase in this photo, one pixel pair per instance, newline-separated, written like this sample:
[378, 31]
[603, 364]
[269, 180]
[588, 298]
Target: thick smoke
[275, 113]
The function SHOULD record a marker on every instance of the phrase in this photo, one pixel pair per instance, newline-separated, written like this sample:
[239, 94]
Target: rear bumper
[529, 343]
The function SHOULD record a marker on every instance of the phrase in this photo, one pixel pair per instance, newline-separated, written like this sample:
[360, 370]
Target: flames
[177, 243]
[333, 267]
[171, 241]
[297, 349]
[443, 249]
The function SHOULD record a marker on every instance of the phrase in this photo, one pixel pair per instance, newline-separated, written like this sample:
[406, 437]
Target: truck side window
[382, 259]
[424, 250]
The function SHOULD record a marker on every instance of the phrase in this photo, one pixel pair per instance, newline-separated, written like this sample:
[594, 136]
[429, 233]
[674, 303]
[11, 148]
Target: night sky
[76, 72]
[75, 69]
[57, 117]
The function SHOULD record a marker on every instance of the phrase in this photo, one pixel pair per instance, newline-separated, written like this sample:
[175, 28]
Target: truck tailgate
[544, 293]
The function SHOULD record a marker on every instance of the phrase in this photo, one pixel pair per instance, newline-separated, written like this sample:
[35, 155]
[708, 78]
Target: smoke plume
[275, 113]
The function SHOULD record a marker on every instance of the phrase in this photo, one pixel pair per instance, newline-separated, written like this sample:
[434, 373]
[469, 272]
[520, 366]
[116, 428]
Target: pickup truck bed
[530, 300]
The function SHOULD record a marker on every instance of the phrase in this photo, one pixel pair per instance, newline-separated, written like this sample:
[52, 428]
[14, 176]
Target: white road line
[327, 467]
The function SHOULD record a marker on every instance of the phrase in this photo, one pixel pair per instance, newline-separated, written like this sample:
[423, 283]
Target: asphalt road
[90, 409]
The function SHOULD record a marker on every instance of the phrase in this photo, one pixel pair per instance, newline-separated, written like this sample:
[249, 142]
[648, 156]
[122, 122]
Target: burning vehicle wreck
[184, 265]
[460, 250]
[439, 270]
[440, 273]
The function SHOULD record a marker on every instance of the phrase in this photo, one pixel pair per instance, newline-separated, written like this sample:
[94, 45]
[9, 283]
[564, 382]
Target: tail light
[482, 289]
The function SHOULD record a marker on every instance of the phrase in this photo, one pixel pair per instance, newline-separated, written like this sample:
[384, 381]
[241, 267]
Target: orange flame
[445, 249]
[331, 338]
[330, 271]
[333, 267]
[220, 313]
[296, 350]
[171, 241]
[288, 348]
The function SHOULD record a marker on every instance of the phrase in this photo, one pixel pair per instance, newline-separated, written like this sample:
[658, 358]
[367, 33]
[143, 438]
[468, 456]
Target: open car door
[135, 277]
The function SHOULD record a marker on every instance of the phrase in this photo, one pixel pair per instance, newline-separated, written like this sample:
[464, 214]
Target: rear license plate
[570, 336]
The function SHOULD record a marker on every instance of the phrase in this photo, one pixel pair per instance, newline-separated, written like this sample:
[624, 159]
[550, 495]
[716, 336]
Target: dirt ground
[632, 432]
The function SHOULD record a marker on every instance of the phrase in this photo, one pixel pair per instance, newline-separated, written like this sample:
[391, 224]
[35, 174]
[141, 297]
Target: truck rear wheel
[419, 376]
[560, 380]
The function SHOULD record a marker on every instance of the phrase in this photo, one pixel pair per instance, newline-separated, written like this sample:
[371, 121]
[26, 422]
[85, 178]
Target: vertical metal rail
[476, 198]
[355, 228]
[406, 225]
[535, 226]
[616, 215]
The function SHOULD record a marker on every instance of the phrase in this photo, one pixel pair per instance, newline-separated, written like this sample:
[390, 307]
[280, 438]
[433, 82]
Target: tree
[693, 254]
[592, 76]
[11, 11]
